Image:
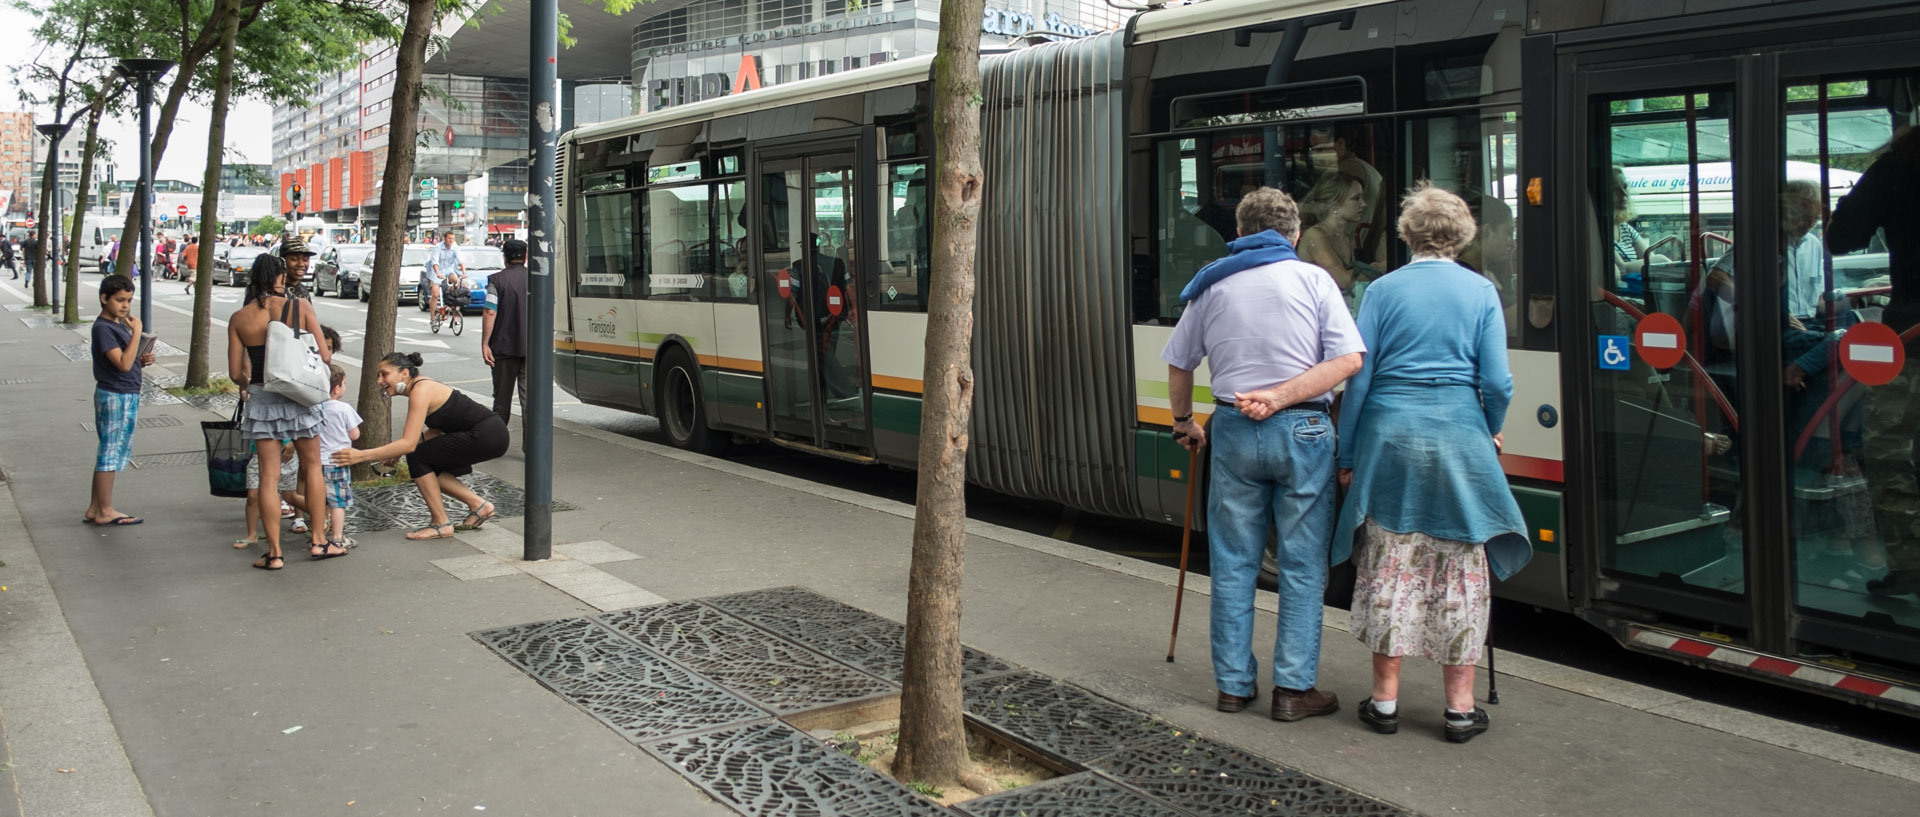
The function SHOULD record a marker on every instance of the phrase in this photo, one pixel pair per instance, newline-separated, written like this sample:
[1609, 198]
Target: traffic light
[296, 194]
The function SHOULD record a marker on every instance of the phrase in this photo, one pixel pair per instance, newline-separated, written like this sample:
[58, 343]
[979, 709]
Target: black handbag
[228, 452]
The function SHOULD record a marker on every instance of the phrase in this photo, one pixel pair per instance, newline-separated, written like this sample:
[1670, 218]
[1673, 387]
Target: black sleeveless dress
[469, 435]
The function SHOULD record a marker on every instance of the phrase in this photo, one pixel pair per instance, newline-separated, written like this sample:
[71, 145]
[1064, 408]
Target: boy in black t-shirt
[116, 394]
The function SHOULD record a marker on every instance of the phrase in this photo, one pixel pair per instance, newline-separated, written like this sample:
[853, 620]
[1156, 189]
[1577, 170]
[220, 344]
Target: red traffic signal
[296, 194]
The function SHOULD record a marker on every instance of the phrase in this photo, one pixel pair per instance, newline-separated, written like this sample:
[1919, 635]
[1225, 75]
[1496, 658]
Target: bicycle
[447, 313]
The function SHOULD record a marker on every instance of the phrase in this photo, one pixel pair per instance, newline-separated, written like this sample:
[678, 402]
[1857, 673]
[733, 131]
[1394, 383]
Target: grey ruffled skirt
[273, 417]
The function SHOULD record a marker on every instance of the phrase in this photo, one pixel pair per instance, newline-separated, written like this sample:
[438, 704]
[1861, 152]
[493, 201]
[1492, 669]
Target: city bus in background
[756, 266]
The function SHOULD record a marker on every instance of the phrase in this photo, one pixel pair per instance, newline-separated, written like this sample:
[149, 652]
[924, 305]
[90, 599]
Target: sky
[249, 132]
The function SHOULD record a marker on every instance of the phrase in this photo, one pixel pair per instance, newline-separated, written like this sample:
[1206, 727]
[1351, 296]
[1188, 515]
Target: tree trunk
[47, 223]
[383, 299]
[162, 131]
[70, 312]
[199, 351]
[933, 745]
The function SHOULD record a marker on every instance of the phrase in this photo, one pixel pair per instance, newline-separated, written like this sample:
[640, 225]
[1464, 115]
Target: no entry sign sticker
[1660, 340]
[1872, 353]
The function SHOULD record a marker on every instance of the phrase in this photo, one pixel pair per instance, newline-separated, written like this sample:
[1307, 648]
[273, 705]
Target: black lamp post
[144, 73]
[54, 131]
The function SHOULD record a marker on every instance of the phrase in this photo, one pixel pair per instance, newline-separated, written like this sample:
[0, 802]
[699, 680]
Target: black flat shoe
[1382, 723]
[1458, 732]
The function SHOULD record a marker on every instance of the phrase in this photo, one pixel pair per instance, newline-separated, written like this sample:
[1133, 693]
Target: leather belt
[1317, 405]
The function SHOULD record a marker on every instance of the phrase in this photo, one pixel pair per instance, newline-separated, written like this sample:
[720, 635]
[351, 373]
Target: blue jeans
[1277, 472]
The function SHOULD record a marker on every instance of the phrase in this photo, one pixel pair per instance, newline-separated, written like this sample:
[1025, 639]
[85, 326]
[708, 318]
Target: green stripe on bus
[896, 413]
[1158, 388]
[1541, 508]
[737, 389]
[1157, 456]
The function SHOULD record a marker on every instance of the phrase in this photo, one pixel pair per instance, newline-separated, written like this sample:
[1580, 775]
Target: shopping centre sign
[775, 34]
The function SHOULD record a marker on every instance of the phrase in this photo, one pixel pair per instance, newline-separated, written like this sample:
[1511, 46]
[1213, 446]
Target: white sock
[1386, 707]
[1457, 715]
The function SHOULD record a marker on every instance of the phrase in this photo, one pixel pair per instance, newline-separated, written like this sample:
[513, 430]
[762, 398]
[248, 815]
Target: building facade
[67, 173]
[720, 47]
[17, 139]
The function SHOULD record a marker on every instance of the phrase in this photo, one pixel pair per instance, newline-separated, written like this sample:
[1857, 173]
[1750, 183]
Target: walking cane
[1186, 540]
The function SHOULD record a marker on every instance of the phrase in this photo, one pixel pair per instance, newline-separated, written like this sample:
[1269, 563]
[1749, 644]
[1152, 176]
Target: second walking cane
[1186, 540]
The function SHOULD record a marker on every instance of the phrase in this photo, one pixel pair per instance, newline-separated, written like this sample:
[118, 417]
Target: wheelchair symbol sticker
[1613, 353]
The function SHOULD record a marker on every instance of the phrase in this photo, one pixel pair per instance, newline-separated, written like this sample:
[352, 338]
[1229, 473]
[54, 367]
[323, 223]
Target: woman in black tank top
[446, 434]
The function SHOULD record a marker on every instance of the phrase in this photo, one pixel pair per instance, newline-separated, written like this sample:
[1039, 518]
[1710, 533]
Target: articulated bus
[756, 266]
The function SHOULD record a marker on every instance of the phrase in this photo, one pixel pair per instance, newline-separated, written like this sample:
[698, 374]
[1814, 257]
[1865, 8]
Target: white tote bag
[294, 369]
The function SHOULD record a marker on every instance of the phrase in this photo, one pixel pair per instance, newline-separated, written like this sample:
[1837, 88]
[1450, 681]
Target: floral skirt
[1418, 595]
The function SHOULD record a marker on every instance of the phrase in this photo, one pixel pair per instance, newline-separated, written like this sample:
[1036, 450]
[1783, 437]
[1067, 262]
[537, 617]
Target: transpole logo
[603, 323]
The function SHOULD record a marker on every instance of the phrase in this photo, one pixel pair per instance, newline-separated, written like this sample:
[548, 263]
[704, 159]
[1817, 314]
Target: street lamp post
[543, 131]
[145, 72]
[54, 131]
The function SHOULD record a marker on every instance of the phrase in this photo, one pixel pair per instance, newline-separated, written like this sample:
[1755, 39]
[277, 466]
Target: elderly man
[1265, 319]
[444, 264]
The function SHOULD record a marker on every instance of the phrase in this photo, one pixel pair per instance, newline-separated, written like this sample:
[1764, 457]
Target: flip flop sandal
[433, 531]
[242, 544]
[118, 522]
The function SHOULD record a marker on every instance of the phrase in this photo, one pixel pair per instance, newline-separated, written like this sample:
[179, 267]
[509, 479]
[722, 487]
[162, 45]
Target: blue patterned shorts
[339, 485]
[113, 417]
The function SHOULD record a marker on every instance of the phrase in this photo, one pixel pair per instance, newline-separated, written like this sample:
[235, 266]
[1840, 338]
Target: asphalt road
[455, 360]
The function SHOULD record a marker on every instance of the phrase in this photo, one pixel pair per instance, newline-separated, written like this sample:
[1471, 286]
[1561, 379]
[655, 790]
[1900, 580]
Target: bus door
[1670, 444]
[818, 389]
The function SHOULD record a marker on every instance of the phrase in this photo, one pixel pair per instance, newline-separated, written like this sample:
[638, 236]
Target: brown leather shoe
[1293, 706]
[1228, 702]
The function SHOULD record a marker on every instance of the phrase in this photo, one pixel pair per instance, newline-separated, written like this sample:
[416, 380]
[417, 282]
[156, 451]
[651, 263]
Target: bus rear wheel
[683, 412]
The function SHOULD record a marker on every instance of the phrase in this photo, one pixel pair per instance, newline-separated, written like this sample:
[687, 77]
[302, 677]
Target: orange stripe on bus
[898, 384]
[737, 363]
[1533, 467]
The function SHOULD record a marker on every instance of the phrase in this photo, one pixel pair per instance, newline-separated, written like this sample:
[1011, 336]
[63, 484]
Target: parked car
[412, 261]
[231, 269]
[337, 269]
[481, 263]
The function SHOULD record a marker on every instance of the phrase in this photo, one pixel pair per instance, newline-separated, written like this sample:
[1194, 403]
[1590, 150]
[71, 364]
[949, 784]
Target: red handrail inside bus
[1840, 390]
[1712, 388]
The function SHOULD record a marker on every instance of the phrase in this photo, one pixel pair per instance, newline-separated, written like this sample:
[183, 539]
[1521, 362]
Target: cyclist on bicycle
[444, 264]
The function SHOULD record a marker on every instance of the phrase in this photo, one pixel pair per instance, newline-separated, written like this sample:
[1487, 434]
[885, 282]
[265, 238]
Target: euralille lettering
[752, 37]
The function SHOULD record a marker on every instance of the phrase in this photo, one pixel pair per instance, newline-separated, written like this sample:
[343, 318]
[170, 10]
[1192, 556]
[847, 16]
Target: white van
[95, 231]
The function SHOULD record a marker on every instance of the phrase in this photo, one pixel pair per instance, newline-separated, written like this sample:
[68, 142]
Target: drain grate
[1208, 778]
[183, 458]
[1079, 794]
[848, 634]
[639, 695]
[17, 381]
[773, 672]
[1059, 718]
[775, 770]
[159, 421]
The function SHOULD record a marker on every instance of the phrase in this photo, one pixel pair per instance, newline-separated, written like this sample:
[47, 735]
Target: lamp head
[144, 69]
[52, 130]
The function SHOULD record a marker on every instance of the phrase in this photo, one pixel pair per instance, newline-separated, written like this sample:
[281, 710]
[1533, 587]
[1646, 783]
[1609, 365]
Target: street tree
[933, 745]
[54, 79]
[101, 97]
[199, 353]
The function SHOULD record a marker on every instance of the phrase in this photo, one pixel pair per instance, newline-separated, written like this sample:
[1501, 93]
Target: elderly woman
[1428, 509]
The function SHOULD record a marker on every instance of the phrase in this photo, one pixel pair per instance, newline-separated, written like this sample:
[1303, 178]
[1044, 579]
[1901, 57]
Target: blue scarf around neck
[1243, 253]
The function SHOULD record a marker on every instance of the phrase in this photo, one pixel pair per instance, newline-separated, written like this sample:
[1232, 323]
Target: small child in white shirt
[339, 427]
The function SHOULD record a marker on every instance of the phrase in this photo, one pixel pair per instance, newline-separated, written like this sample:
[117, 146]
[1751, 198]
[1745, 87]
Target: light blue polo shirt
[1264, 326]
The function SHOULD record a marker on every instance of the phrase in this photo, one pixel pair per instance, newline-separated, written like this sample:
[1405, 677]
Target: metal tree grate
[637, 694]
[774, 770]
[16, 381]
[75, 351]
[183, 458]
[408, 510]
[772, 671]
[159, 421]
[1059, 718]
[1079, 794]
[848, 634]
[19, 307]
[155, 395]
[42, 322]
[1207, 778]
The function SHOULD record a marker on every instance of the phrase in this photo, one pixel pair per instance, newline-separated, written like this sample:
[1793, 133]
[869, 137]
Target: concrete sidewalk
[169, 678]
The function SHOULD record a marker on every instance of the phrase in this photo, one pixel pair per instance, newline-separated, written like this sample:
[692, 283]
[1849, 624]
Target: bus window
[729, 262]
[678, 244]
[906, 245]
[607, 266]
[1475, 155]
[1851, 151]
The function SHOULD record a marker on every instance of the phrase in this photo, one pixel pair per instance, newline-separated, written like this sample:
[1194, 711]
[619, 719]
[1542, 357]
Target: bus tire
[682, 408]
